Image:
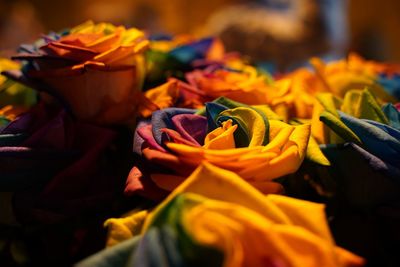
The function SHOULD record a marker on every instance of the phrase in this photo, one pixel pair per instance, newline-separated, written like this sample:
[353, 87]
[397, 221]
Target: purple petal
[191, 127]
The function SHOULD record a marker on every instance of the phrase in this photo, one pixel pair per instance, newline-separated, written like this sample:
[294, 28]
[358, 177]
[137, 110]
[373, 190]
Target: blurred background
[285, 32]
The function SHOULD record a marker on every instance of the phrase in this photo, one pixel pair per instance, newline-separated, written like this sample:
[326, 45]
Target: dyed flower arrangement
[222, 151]
[205, 214]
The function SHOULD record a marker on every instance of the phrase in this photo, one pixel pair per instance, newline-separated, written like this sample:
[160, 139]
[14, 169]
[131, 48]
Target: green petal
[336, 125]
[253, 124]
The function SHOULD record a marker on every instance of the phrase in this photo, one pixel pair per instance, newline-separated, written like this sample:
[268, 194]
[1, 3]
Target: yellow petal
[212, 182]
[315, 154]
[248, 238]
[253, 121]
[121, 229]
[222, 137]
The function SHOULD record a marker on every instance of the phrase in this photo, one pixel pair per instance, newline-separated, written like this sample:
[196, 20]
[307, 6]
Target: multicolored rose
[360, 120]
[174, 56]
[298, 89]
[217, 219]
[250, 141]
[230, 78]
[97, 70]
[215, 134]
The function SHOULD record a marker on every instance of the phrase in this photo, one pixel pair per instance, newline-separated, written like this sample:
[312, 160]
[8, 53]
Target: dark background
[368, 27]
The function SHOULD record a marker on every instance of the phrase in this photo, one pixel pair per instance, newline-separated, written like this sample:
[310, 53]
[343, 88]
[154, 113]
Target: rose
[217, 219]
[173, 56]
[97, 69]
[297, 97]
[362, 121]
[229, 77]
[357, 129]
[242, 139]
[291, 95]
[353, 73]
[168, 59]
[47, 163]
[50, 159]
[357, 103]
[57, 171]
[243, 84]
[170, 94]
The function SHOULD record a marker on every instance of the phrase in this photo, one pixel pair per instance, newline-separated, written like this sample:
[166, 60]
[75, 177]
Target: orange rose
[97, 69]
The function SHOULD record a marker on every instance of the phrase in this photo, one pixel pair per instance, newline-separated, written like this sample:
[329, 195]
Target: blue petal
[162, 119]
[158, 248]
[391, 85]
[117, 255]
[392, 114]
[187, 53]
[375, 140]
[388, 129]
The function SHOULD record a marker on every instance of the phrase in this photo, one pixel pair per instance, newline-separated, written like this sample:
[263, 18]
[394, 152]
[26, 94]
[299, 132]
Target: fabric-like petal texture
[96, 69]
[241, 139]
[204, 216]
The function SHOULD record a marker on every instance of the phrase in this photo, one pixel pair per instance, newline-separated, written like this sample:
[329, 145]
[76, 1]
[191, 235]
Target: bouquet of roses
[192, 156]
